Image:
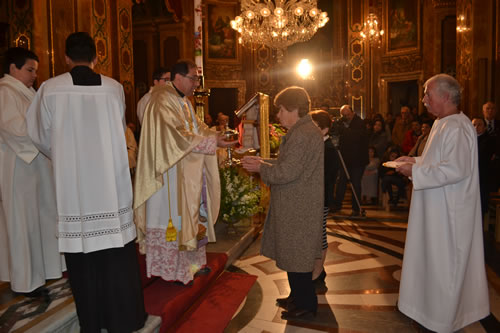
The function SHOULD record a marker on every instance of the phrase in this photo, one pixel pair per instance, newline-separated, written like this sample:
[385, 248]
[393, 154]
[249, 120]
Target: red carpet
[218, 305]
[171, 301]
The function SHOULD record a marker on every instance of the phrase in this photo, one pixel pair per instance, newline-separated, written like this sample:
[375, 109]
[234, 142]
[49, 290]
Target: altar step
[59, 315]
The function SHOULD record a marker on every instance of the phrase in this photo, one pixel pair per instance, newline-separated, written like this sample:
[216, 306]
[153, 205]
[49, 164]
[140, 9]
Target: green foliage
[240, 195]
[276, 132]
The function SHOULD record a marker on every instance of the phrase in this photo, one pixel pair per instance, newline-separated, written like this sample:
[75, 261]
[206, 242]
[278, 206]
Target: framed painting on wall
[221, 44]
[403, 25]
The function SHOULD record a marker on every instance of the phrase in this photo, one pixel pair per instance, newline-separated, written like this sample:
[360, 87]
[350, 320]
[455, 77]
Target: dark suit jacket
[354, 143]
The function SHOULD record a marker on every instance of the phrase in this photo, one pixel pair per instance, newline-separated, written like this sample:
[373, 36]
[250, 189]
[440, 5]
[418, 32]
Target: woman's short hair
[292, 98]
[18, 57]
[80, 47]
[322, 118]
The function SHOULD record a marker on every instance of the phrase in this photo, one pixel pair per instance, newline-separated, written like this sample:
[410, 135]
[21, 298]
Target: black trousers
[302, 291]
[107, 289]
[356, 173]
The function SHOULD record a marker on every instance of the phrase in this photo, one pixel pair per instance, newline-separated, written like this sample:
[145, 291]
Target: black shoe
[204, 271]
[298, 313]
[38, 292]
[355, 213]
[285, 303]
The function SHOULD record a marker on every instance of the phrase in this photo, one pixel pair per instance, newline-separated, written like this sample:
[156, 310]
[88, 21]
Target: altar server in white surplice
[77, 119]
[29, 221]
[443, 281]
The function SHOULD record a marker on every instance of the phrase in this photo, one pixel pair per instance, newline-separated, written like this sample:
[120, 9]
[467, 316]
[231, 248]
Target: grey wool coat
[293, 227]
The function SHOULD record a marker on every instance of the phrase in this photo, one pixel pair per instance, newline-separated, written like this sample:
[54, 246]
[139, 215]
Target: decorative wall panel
[402, 63]
[357, 91]
[101, 35]
[125, 48]
[21, 23]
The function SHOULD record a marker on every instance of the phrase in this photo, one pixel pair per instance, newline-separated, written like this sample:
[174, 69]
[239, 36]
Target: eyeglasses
[165, 79]
[192, 78]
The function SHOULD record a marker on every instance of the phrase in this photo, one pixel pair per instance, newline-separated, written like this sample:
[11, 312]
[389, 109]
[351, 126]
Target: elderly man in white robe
[77, 118]
[28, 221]
[443, 281]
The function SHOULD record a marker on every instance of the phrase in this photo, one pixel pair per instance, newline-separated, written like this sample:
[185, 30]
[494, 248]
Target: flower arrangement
[240, 195]
[276, 132]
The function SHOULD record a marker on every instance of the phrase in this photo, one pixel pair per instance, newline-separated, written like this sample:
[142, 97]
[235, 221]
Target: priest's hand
[408, 159]
[405, 169]
[251, 163]
[221, 142]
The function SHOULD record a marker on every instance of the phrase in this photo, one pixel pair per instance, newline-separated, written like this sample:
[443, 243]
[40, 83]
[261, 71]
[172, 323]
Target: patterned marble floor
[363, 267]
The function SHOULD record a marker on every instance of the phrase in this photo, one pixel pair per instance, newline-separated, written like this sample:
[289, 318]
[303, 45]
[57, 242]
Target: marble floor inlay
[363, 268]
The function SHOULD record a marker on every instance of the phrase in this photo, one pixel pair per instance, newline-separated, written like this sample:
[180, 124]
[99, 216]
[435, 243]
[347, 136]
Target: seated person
[223, 123]
[369, 181]
[390, 177]
[411, 137]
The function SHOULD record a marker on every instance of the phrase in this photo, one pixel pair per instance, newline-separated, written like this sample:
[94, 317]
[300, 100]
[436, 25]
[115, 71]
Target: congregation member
[493, 130]
[419, 146]
[411, 137]
[77, 120]
[443, 281]
[28, 223]
[160, 77]
[389, 121]
[389, 177]
[131, 147]
[322, 119]
[485, 149]
[293, 226]
[176, 168]
[207, 118]
[369, 181]
[401, 126]
[379, 139]
[354, 150]
[492, 124]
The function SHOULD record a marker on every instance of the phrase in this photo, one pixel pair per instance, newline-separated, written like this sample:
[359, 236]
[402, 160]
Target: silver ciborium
[230, 135]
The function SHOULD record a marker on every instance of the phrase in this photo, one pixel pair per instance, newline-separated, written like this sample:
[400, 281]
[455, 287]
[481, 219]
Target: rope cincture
[171, 232]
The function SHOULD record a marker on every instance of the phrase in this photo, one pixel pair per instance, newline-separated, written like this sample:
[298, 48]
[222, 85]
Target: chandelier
[278, 23]
[371, 30]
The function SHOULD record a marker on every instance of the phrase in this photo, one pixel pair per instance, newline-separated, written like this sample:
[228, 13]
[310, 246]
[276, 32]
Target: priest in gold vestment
[177, 188]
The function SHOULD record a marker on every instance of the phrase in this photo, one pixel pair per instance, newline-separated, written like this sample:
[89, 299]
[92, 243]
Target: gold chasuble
[170, 132]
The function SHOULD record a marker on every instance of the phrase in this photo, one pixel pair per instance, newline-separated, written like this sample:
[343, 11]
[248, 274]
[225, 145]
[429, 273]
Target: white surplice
[82, 129]
[28, 219]
[141, 105]
[443, 281]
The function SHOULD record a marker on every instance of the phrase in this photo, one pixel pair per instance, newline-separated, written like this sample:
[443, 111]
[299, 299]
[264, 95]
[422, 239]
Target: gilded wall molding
[444, 3]
[222, 71]
[21, 23]
[402, 63]
[100, 35]
[464, 40]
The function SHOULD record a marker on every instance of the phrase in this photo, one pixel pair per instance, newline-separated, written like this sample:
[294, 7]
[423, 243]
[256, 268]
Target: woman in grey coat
[293, 228]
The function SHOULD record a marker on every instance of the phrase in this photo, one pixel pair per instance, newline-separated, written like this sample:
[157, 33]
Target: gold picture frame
[402, 26]
[221, 41]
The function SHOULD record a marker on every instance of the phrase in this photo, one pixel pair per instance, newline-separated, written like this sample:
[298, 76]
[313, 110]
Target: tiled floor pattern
[363, 266]
[20, 314]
